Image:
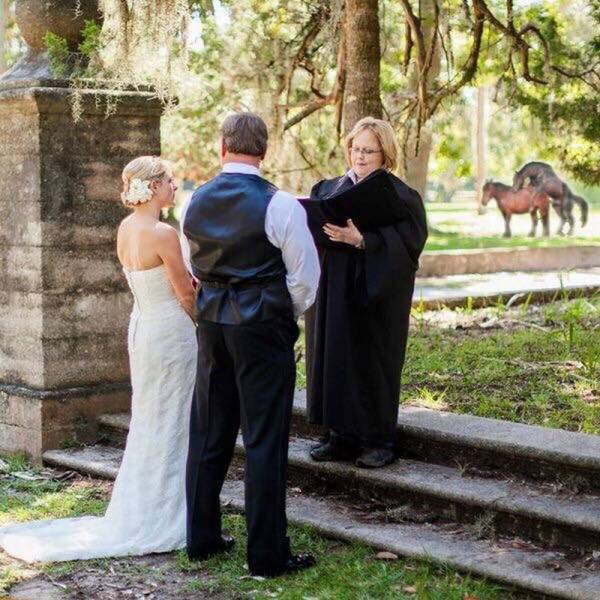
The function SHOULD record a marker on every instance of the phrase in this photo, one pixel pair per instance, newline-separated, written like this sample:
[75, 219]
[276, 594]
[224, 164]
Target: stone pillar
[64, 303]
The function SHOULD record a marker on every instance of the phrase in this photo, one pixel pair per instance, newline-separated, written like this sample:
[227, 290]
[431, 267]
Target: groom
[255, 259]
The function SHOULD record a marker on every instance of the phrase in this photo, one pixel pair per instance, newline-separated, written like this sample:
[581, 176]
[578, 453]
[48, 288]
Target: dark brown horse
[542, 176]
[525, 200]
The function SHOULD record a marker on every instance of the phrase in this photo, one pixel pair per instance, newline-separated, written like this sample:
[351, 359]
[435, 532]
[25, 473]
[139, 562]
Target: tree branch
[331, 98]
[408, 46]
[519, 42]
[312, 30]
[469, 69]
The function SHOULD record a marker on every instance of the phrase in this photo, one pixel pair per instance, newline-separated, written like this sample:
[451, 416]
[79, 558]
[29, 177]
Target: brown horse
[542, 176]
[525, 200]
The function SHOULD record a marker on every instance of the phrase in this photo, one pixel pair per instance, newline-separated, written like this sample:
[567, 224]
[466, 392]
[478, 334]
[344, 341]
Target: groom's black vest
[242, 274]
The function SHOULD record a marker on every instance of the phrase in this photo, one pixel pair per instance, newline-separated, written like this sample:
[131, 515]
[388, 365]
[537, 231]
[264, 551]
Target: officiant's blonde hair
[385, 135]
[144, 168]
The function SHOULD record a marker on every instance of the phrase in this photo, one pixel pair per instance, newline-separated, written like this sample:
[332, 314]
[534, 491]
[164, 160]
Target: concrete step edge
[115, 420]
[446, 483]
[556, 446]
[512, 566]
[439, 482]
[578, 450]
[98, 461]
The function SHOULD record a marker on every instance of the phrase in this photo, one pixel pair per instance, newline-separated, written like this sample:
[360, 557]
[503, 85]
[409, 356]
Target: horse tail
[584, 206]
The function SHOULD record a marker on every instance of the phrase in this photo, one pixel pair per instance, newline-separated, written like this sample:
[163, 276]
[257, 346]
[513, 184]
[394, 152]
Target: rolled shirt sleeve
[286, 229]
[183, 241]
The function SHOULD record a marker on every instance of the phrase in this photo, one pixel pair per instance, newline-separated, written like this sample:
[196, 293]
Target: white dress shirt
[352, 175]
[286, 229]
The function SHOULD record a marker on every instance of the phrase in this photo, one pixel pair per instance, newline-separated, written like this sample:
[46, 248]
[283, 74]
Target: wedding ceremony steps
[435, 491]
[97, 461]
[546, 572]
[341, 514]
[470, 442]
[515, 503]
[536, 512]
[565, 458]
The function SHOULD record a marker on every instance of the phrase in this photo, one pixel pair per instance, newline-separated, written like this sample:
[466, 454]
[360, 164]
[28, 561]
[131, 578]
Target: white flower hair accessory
[139, 191]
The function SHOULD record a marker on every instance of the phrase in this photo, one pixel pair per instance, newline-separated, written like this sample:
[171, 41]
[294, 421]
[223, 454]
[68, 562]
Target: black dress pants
[246, 374]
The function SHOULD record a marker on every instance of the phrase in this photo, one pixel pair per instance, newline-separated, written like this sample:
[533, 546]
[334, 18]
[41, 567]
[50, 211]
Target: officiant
[356, 333]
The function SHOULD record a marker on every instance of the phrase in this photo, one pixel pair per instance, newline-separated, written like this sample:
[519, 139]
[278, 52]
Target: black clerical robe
[356, 332]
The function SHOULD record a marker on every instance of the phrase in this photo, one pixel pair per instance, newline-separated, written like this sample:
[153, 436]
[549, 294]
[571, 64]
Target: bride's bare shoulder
[164, 230]
[127, 222]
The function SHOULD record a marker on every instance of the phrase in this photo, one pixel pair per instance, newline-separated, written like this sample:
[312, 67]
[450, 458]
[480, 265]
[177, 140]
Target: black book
[372, 203]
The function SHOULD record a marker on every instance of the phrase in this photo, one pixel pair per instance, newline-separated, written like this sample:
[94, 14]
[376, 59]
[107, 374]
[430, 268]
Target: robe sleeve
[391, 254]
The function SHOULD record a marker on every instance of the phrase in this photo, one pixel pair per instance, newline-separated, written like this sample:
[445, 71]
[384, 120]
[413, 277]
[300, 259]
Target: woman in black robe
[356, 332]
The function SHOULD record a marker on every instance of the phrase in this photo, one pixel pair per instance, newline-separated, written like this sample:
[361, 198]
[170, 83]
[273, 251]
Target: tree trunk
[3, 27]
[416, 160]
[417, 163]
[480, 143]
[363, 55]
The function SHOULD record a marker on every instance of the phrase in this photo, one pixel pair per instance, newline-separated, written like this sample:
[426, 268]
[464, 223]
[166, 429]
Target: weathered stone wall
[64, 303]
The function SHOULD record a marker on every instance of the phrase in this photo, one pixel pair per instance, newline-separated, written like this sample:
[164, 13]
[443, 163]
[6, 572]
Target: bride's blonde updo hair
[137, 177]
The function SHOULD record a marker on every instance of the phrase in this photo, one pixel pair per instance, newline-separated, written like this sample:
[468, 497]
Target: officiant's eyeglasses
[365, 151]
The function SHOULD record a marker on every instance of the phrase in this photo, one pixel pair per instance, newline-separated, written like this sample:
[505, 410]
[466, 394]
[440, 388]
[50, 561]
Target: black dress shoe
[295, 563]
[320, 442]
[336, 448]
[374, 458]
[330, 451]
[223, 545]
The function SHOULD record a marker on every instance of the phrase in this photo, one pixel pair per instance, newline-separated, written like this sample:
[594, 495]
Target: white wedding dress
[147, 510]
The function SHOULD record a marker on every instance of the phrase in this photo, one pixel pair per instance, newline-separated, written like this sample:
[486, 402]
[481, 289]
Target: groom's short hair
[245, 133]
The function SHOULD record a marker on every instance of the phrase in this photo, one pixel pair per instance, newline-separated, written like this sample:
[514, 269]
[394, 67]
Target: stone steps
[566, 459]
[432, 492]
[98, 461]
[343, 515]
[514, 507]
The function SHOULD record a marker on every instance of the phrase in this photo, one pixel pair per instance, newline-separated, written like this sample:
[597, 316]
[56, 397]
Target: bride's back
[136, 244]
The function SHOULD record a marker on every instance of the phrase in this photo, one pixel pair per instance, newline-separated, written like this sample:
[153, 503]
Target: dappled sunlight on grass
[543, 376]
[25, 500]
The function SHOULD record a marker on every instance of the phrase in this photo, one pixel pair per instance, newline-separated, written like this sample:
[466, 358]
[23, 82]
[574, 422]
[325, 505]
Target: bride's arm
[169, 249]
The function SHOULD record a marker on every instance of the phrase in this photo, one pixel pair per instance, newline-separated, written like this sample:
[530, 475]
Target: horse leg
[561, 214]
[546, 223]
[571, 222]
[507, 232]
[567, 213]
[534, 220]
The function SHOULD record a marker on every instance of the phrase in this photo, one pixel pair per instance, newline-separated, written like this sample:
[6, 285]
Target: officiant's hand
[347, 235]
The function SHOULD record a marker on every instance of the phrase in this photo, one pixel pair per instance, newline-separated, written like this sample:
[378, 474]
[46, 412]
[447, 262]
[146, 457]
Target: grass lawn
[344, 572]
[535, 364]
[530, 364]
[452, 240]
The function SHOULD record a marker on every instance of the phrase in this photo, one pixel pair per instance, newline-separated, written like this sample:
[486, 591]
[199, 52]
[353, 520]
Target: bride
[147, 509]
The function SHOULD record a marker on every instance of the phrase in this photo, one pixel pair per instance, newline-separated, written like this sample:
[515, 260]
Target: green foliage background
[241, 51]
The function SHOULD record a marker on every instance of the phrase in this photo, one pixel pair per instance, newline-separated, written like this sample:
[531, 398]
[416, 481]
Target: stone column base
[33, 421]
